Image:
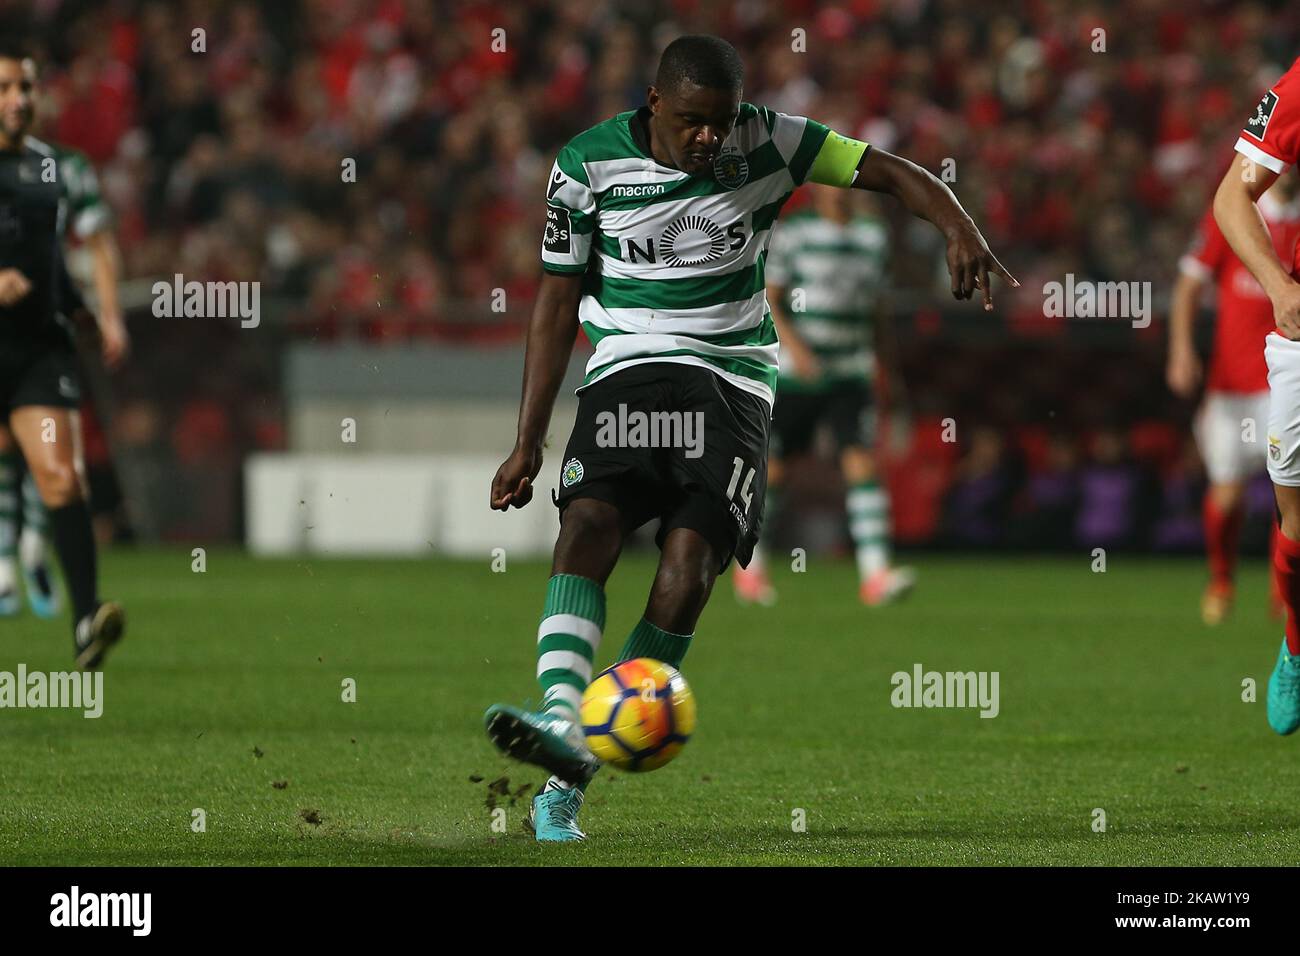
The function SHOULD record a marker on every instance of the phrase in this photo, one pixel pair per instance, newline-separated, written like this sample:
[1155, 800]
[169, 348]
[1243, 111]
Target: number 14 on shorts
[745, 493]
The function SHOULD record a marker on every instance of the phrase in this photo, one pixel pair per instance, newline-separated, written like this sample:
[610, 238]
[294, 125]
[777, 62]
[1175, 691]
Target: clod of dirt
[311, 816]
[257, 752]
[500, 787]
[475, 778]
[279, 784]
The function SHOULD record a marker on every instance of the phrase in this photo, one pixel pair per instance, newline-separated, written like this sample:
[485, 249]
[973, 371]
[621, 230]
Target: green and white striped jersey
[673, 264]
[833, 276]
[82, 210]
[87, 211]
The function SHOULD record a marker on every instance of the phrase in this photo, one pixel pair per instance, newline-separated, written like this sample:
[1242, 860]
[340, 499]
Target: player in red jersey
[1231, 422]
[1269, 143]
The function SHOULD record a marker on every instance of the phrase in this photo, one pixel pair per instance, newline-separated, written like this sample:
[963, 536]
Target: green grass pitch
[227, 696]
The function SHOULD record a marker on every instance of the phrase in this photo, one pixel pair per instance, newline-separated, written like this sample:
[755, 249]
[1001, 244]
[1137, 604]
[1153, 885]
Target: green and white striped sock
[646, 640]
[868, 507]
[567, 639]
[10, 468]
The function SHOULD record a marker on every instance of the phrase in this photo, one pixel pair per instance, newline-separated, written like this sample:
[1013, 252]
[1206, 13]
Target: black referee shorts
[46, 376]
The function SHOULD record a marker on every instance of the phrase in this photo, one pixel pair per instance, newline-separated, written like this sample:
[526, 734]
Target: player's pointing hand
[970, 263]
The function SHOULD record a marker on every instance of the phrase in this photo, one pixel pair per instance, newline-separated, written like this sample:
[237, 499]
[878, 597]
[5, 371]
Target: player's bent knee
[681, 589]
[57, 483]
[677, 600]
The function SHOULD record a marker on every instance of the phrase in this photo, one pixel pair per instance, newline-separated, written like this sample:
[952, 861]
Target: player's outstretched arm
[551, 332]
[969, 260]
[1242, 225]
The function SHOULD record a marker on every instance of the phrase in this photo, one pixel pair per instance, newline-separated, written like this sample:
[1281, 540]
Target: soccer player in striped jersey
[825, 287]
[657, 228]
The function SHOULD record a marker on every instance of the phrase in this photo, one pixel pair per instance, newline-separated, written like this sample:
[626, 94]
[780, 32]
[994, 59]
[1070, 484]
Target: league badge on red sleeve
[1257, 124]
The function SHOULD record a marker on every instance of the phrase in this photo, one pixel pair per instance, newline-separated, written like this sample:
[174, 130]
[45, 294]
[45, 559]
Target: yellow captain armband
[837, 161]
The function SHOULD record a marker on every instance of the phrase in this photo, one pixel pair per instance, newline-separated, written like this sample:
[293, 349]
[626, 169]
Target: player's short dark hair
[706, 61]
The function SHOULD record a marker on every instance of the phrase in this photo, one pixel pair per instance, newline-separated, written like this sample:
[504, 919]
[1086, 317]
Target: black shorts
[675, 442]
[848, 407]
[38, 377]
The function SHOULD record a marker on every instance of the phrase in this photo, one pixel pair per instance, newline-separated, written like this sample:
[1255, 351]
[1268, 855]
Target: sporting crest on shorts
[572, 473]
[1274, 448]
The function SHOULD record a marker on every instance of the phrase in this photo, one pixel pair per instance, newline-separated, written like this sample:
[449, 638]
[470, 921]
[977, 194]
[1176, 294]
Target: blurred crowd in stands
[1120, 488]
[1084, 138]
[1024, 464]
[1076, 150]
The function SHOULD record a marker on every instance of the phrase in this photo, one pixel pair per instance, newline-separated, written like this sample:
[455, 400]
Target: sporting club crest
[572, 473]
[731, 169]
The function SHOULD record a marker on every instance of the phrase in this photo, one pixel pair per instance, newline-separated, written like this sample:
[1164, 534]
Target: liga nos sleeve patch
[1257, 124]
[558, 231]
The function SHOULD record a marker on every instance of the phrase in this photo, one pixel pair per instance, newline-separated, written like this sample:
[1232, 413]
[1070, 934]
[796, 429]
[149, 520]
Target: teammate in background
[1236, 388]
[39, 391]
[88, 220]
[658, 222]
[825, 287]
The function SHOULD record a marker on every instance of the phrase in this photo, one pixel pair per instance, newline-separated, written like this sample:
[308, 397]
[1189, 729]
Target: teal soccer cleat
[554, 815]
[1284, 693]
[42, 596]
[553, 743]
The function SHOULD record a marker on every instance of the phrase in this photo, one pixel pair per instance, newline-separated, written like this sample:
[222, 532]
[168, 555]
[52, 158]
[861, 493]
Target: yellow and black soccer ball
[638, 714]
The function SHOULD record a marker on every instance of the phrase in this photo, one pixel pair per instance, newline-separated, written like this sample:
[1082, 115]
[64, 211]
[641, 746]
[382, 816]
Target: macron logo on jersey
[651, 189]
[1257, 124]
